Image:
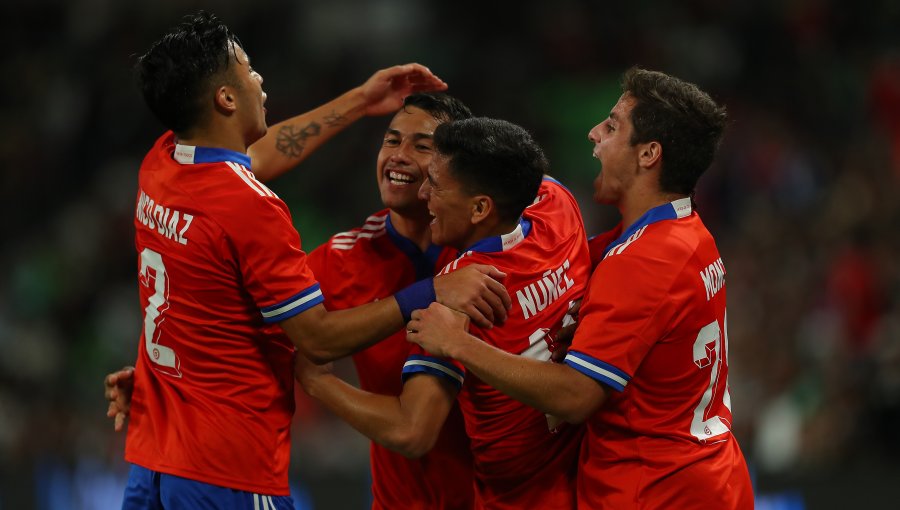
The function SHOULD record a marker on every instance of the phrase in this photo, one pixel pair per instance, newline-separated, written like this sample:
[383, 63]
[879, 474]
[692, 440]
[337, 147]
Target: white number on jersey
[708, 350]
[153, 269]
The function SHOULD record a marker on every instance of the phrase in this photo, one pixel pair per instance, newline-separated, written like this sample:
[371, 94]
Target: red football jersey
[370, 263]
[219, 265]
[519, 462]
[653, 328]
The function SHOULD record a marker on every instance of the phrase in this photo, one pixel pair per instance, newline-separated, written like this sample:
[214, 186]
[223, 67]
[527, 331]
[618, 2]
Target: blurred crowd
[804, 201]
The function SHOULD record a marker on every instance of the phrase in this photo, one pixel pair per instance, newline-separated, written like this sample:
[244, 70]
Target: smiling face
[250, 96]
[449, 204]
[618, 158]
[403, 160]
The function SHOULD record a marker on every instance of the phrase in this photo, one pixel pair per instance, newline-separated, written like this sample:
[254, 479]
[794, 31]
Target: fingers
[498, 291]
[481, 314]
[120, 422]
[419, 77]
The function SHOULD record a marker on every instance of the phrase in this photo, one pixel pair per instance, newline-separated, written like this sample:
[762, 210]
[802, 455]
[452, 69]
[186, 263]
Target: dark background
[803, 201]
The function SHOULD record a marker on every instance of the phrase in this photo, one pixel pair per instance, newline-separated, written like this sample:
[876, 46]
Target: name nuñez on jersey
[167, 222]
[713, 278]
[540, 293]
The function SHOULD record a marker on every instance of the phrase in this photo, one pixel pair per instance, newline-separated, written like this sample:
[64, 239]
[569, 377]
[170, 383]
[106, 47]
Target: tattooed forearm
[334, 119]
[291, 140]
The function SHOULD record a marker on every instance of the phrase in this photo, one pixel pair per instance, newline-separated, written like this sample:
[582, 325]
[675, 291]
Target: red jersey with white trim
[219, 265]
[367, 264]
[653, 328]
[519, 462]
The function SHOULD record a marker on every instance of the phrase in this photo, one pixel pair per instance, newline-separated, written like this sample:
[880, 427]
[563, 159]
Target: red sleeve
[273, 266]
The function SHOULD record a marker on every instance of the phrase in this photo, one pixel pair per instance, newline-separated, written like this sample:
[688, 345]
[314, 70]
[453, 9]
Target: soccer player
[390, 251]
[226, 289]
[648, 366]
[481, 188]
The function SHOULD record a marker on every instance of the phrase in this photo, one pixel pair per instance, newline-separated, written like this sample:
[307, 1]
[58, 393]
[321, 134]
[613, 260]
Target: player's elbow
[412, 442]
[580, 403]
[318, 355]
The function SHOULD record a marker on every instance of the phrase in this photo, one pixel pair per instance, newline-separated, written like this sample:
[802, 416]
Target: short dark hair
[496, 158]
[682, 118]
[174, 75]
[443, 107]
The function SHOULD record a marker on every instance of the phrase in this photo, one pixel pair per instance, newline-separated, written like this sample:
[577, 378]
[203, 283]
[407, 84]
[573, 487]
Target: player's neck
[635, 204]
[485, 230]
[214, 137]
[415, 228]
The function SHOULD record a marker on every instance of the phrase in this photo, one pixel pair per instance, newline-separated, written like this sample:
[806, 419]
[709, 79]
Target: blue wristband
[416, 296]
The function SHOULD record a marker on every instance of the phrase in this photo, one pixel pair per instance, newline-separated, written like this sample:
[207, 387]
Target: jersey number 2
[709, 350]
[153, 272]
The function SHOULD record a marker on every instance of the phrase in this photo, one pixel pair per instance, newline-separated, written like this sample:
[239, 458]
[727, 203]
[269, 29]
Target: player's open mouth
[400, 178]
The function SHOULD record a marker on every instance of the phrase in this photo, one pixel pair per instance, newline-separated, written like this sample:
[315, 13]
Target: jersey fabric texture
[653, 329]
[366, 264]
[519, 462]
[219, 265]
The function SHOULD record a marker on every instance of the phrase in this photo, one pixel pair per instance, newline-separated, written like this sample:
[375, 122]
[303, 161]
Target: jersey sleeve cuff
[308, 298]
[598, 370]
[437, 367]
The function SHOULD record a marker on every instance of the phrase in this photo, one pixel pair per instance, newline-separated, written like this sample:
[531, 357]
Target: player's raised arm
[289, 142]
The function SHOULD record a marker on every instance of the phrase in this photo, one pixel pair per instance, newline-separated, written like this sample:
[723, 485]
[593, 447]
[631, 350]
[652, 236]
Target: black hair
[682, 118]
[174, 76]
[495, 158]
[443, 107]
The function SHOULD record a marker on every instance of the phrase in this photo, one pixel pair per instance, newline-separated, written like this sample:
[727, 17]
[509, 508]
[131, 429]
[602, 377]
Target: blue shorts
[151, 490]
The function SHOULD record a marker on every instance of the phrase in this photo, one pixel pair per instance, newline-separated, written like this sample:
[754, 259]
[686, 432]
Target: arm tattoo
[291, 141]
[334, 119]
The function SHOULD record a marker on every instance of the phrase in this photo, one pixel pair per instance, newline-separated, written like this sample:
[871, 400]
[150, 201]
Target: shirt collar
[503, 242]
[190, 155]
[424, 262]
[673, 210]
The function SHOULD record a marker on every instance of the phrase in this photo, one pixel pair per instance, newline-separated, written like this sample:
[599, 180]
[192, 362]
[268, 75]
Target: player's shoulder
[671, 242]
[464, 259]
[360, 238]
[554, 202]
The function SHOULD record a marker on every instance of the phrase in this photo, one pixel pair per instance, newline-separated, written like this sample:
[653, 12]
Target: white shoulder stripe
[249, 179]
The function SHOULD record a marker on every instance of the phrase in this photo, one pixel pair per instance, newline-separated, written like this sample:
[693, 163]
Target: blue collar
[190, 155]
[503, 242]
[423, 262]
[675, 209]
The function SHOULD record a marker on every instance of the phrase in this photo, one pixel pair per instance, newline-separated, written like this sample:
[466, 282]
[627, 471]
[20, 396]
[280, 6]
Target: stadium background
[803, 201]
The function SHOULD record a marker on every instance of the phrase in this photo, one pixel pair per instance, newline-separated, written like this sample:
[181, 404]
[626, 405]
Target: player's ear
[650, 154]
[225, 99]
[482, 205]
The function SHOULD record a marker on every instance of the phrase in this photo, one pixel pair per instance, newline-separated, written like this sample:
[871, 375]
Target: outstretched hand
[437, 329]
[118, 388]
[475, 291]
[385, 90]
